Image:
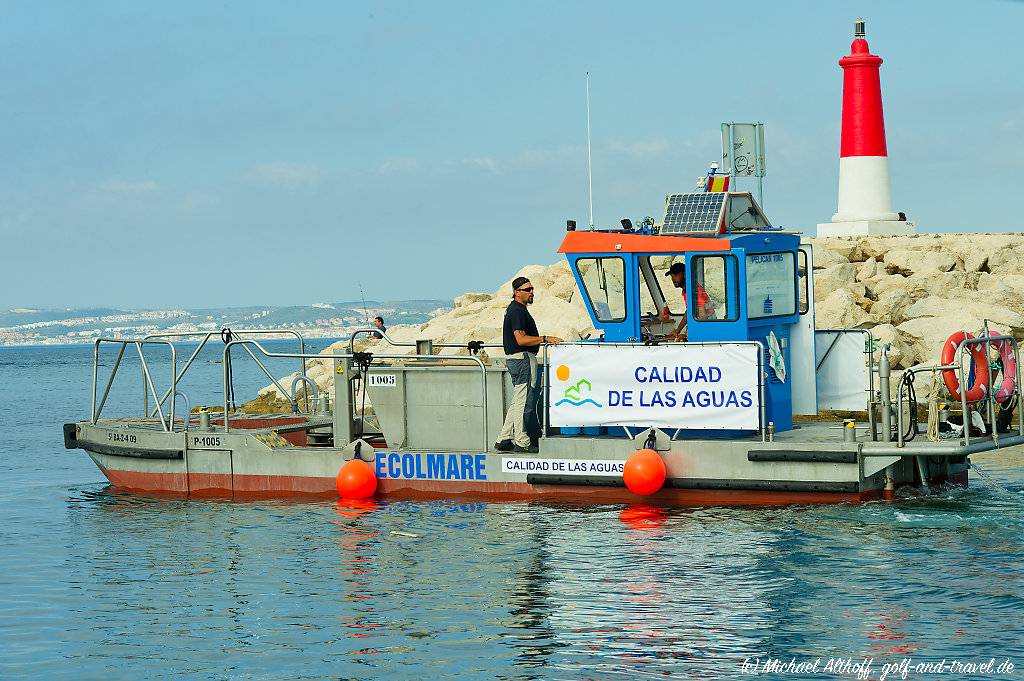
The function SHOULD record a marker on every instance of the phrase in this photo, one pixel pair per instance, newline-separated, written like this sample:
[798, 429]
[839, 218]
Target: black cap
[677, 268]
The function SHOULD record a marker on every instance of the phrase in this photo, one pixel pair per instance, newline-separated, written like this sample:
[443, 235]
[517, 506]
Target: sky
[190, 154]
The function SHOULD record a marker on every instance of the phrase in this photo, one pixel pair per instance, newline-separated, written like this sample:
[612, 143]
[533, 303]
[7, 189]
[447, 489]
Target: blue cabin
[748, 285]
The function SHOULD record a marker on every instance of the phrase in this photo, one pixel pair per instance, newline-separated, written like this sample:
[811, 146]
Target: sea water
[97, 583]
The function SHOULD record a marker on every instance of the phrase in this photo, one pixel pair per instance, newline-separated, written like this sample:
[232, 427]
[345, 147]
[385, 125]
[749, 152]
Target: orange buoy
[644, 472]
[356, 480]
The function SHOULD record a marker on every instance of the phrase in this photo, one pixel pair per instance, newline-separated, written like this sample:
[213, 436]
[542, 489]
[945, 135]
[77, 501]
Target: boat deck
[802, 435]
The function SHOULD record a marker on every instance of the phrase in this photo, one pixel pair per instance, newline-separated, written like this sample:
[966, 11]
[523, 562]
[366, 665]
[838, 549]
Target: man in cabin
[381, 329]
[705, 308]
[521, 341]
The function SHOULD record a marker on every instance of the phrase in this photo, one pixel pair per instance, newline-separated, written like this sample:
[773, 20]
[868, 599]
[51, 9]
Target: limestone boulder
[966, 309]
[883, 282]
[924, 284]
[1007, 260]
[830, 279]
[1001, 282]
[891, 306]
[900, 350]
[470, 298]
[927, 334]
[824, 257]
[864, 251]
[839, 310]
[564, 288]
[906, 261]
[841, 246]
[877, 246]
[867, 270]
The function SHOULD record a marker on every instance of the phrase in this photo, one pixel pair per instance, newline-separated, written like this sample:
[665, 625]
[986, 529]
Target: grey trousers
[522, 412]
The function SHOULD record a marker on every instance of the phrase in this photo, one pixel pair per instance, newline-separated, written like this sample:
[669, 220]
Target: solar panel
[699, 212]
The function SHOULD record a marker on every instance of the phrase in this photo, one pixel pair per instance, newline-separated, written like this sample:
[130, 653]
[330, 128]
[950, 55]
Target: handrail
[309, 383]
[284, 355]
[958, 359]
[400, 344]
[188, 411]
[761, 375]
[869, 345]
[209, 334]
[958, 366]
[149, 387]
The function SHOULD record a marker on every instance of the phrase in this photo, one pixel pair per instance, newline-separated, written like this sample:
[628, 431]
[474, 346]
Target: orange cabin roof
[621, 242]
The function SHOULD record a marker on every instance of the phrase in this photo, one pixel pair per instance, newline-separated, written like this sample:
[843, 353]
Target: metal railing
[410, 344]
[485, 446]
[206, 336]
[989, 398]
[148, 387]
[762, 376]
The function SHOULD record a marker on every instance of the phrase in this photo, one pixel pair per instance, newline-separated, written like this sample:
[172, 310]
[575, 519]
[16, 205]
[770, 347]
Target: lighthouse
[865, 196]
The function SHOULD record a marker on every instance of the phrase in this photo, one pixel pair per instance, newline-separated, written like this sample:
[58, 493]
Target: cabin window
[802, 286]
[713, 280]
[771, 285]
[604, 284]
[656, 289]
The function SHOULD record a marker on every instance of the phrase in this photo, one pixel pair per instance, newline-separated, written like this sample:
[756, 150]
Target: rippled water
[101, 584]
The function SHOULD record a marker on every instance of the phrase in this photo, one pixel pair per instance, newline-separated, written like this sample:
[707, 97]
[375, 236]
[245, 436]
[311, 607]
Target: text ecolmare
[420, 466]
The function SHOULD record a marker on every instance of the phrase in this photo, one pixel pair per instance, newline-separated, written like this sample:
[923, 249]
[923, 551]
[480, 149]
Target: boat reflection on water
[532, 590]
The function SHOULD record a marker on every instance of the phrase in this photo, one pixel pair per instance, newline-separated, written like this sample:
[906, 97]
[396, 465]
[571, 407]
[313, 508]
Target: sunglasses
[528, 290]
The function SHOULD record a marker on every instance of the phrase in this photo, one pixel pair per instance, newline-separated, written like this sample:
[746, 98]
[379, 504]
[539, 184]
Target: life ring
[979, 362]
[1009, 370]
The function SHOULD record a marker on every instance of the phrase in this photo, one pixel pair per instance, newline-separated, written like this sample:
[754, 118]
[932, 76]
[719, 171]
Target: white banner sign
[701, 387]
[573, 466]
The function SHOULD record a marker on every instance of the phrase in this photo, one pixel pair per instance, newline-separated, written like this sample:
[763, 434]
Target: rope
[933, 412]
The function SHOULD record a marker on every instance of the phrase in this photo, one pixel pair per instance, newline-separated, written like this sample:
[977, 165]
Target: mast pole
[590, 174]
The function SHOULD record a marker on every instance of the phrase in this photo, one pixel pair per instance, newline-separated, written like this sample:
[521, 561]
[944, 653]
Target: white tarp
[842, 370]
[705, 387]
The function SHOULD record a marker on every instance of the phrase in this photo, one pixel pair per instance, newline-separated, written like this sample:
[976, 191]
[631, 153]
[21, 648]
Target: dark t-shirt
[518, 318]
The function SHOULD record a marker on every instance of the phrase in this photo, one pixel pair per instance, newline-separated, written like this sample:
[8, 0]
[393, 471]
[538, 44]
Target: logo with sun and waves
[574, 393]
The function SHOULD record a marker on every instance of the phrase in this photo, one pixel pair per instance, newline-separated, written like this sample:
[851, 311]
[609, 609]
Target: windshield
[603, 283]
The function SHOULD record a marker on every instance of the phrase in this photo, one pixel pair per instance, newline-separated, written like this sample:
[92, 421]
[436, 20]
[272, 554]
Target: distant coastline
[28, 327]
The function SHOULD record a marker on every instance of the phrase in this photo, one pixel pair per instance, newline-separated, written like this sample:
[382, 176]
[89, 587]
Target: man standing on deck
[381, 329]
[705, 308]
[521, 343]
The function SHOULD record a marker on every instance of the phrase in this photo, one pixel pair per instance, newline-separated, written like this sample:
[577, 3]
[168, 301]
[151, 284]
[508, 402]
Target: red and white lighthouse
[865, 197]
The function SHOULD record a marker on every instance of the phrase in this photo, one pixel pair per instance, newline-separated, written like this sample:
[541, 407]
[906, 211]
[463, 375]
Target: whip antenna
[590, 175]
[366, 314]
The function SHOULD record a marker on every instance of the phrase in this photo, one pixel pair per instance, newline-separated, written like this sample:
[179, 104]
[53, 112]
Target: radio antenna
[366, 313]
[590, 174]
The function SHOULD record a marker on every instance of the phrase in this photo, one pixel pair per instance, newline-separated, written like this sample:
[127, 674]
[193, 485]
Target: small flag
[717, 183]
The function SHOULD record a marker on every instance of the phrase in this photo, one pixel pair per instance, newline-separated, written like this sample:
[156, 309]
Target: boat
[755, 407]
